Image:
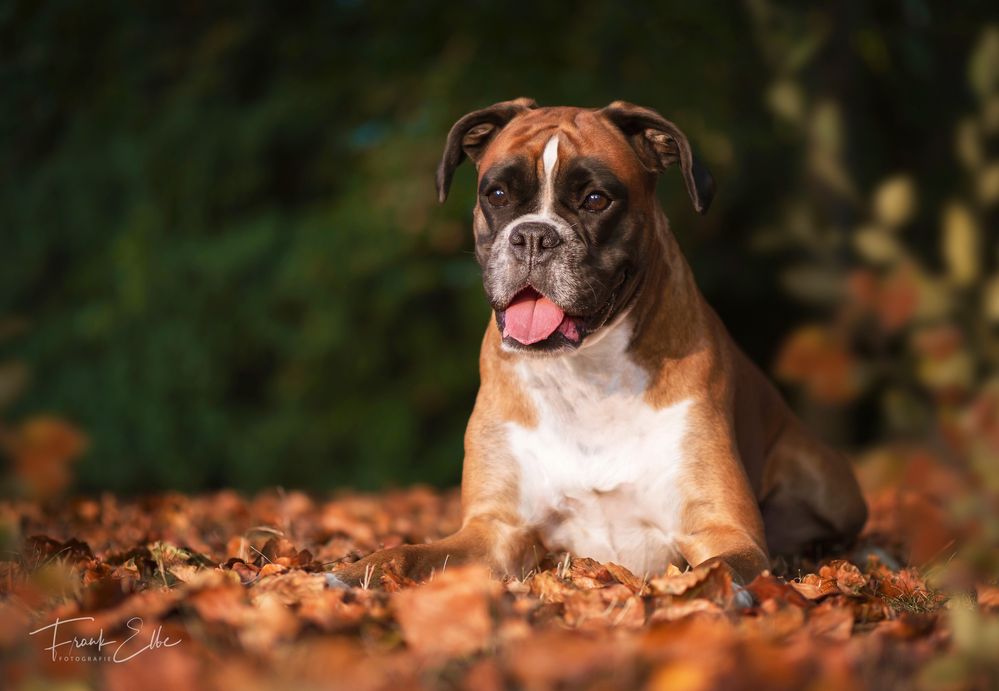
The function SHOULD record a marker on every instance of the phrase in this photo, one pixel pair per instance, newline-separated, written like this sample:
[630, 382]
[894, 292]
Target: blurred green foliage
[220, 251]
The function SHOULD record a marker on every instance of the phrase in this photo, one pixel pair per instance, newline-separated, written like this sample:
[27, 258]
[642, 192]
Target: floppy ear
[659, 144]
[471, 135]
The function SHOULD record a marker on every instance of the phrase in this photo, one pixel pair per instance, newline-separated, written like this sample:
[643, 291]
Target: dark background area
[221, 255]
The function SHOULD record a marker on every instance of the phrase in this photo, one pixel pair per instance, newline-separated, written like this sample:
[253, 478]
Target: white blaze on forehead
[549, 158]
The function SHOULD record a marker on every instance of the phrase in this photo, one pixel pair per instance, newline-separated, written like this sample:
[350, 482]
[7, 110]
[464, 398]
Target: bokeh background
[222, 262]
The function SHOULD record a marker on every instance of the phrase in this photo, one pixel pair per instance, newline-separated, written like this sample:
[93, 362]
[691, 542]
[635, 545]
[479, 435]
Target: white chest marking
[599, 474]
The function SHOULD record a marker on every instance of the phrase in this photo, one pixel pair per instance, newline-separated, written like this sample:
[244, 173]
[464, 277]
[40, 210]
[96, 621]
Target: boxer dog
[616, 418]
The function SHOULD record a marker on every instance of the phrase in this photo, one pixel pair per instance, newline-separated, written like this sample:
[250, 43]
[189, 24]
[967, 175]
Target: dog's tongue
[532, 317]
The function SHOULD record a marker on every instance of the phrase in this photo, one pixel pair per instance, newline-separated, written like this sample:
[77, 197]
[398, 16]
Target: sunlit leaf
[987, 185]
[990, 299]
[983, 68]
[817, 359]
[787, 100]
[960, 244]
[895, 201]
[968, 144]
[877, 245]
[899, 297]
[955, 371]
[42, 450]
[825, 149]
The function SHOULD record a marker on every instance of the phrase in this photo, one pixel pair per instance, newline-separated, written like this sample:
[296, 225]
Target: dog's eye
[596, 202]
[497, 196]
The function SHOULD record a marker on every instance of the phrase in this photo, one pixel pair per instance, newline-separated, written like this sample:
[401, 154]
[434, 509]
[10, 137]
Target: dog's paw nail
[743, 598]
[334, 581]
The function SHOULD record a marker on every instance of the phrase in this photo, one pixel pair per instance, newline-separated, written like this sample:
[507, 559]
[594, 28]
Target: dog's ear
[471, 135]
[659, 144]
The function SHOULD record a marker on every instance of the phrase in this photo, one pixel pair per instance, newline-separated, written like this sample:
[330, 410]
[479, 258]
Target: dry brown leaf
[484, 675]
[818, 359]
[613, 605]
[552, 658]
[333, 610]
[766, 587]
[548, 587]
[704, 639]
[588, 573]
[830, 622]
[167, 668]
[712, 581]
[814, 586]
[681, 675]
[847, 578]
[216, 598]
[775, 620]
[42, 449]
[626, 578]
[987, 596]
[670, 611]
[266, 623]
[289, 587]
[449, 615]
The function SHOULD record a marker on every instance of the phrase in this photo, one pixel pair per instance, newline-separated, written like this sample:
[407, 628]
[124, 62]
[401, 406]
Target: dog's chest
[601, 472]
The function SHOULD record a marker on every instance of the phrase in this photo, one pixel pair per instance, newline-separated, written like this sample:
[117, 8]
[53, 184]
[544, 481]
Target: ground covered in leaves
[223, 591]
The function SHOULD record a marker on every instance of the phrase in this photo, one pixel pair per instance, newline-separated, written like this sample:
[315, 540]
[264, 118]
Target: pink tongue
[531, 318]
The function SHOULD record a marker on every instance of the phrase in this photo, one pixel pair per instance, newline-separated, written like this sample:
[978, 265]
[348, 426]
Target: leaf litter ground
[223, 591]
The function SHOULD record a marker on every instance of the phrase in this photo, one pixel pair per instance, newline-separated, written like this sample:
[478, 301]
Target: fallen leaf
[830, 622]
[712, 582]
[766, 587]
[847, 577]
[449, 615]
[987, 596]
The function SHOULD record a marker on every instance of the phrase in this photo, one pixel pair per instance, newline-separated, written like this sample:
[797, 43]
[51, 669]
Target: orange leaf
[449, 615]
[42, 449]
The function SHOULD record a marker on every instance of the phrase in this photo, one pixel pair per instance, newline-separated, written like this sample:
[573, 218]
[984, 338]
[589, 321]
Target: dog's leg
[491, 531]
[484, 539]
[815, 501]
[721, 521]
[734, 547]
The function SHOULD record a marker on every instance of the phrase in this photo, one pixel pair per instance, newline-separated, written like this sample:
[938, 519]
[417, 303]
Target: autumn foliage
[234, 593]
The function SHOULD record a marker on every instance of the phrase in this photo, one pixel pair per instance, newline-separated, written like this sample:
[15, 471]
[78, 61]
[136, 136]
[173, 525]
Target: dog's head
[564, 221]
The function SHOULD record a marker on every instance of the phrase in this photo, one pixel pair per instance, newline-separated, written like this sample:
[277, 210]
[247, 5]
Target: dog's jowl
[616, 418]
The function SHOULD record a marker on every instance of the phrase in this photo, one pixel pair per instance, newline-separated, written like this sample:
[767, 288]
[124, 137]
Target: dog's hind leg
[812, 499]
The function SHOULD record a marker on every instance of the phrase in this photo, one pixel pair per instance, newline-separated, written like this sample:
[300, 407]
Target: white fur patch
[549, 159]
[600, 471]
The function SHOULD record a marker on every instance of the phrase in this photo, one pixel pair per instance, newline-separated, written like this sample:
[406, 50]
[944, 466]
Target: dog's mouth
[534, 321]
[532, 318]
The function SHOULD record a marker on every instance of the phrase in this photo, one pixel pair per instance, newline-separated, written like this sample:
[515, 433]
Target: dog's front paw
[368, 572]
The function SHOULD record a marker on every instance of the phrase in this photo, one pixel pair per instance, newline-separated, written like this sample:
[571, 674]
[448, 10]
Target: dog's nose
[533, 242]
